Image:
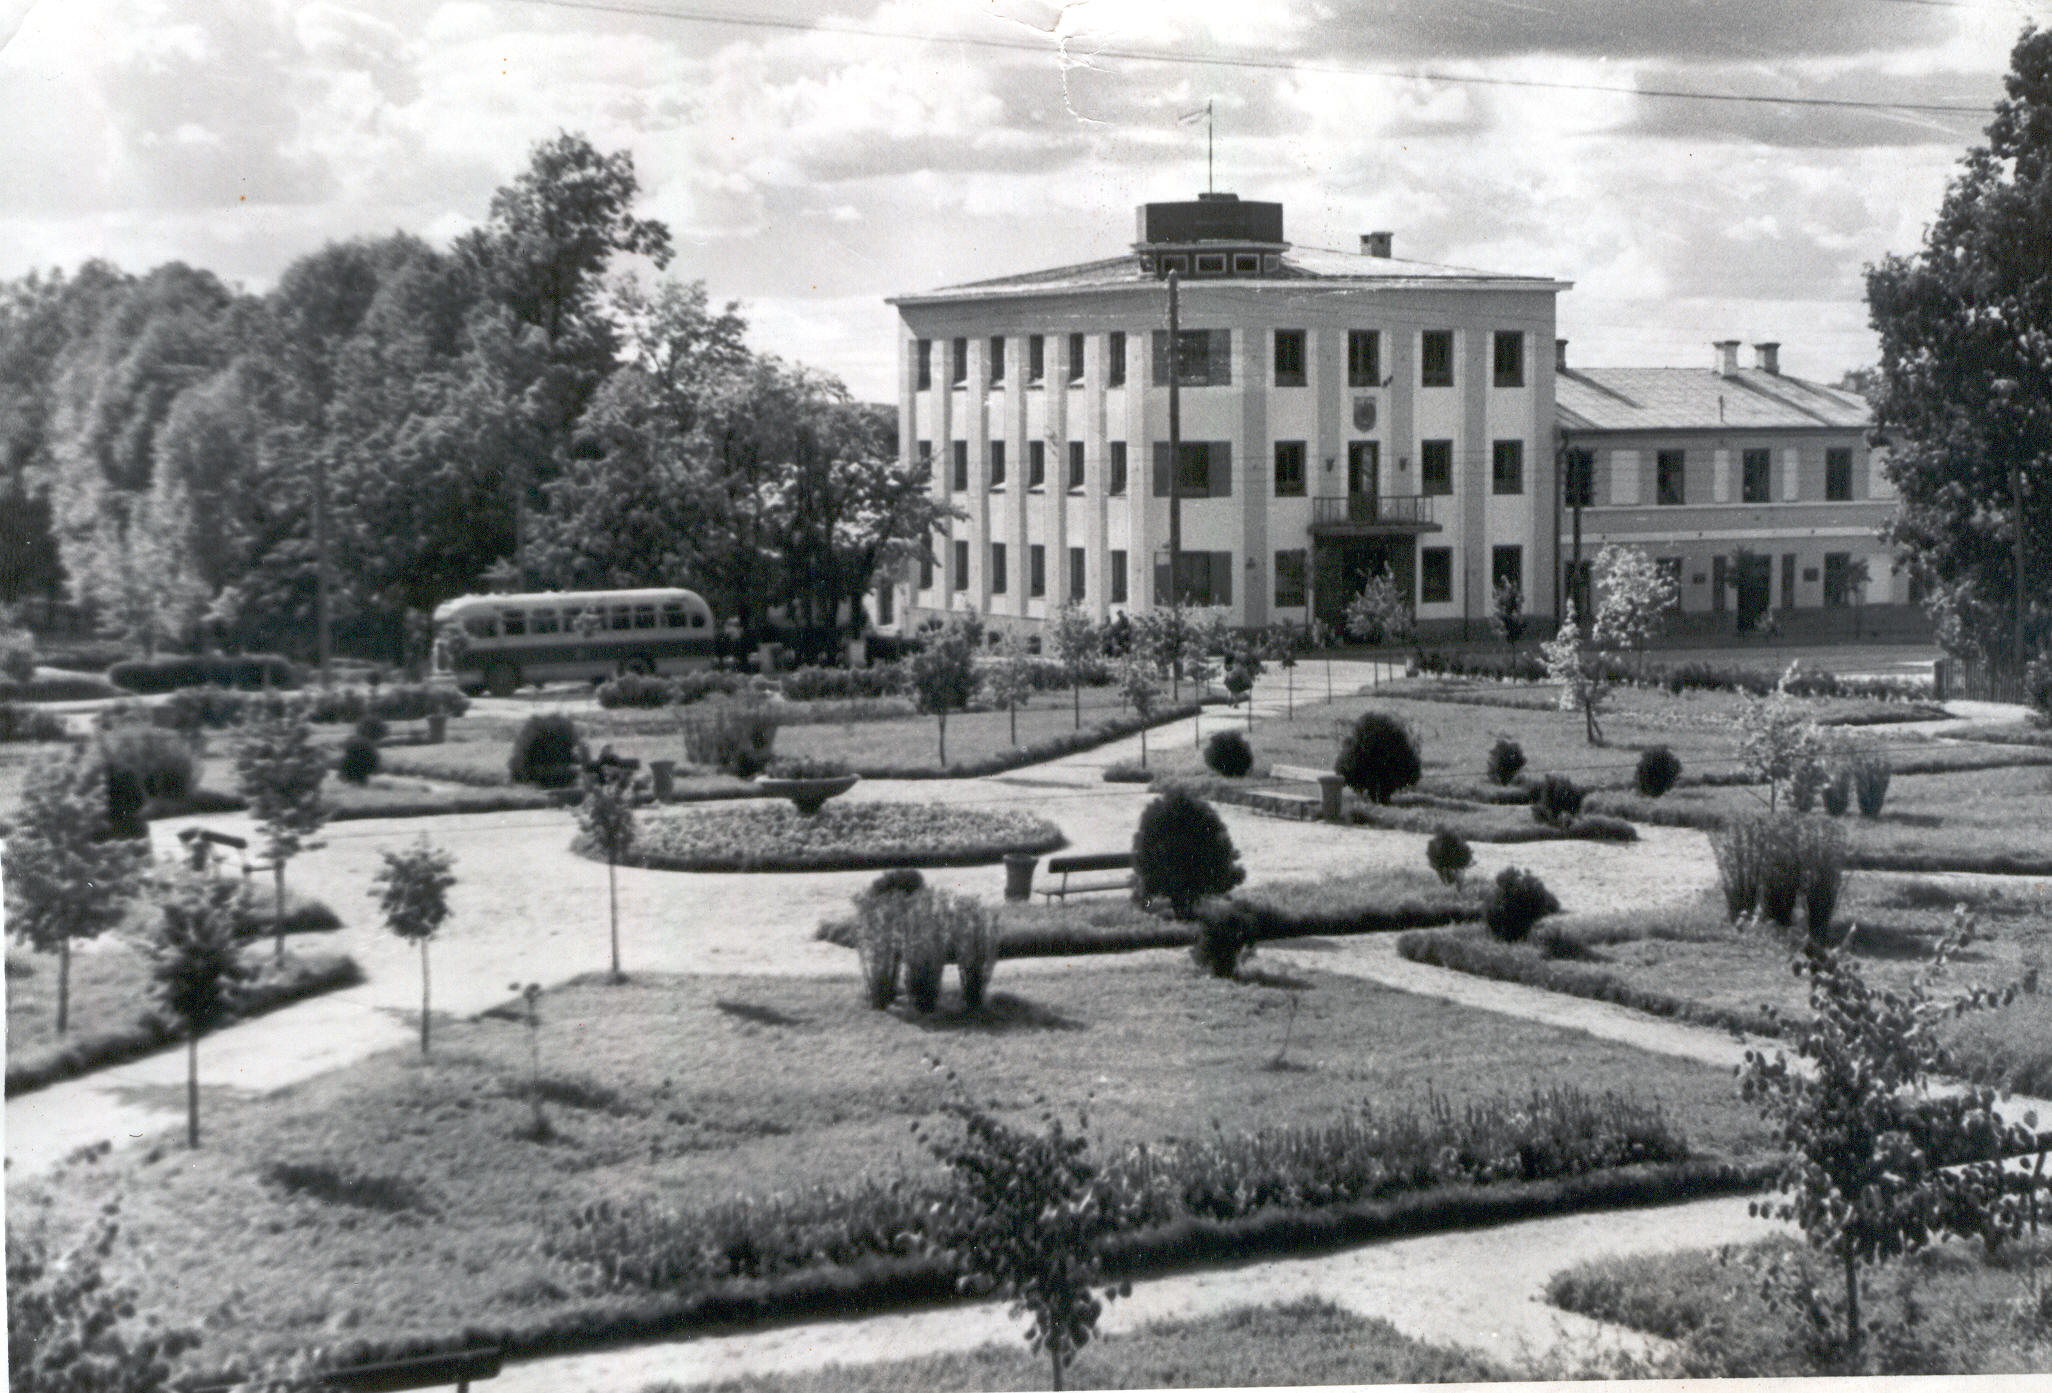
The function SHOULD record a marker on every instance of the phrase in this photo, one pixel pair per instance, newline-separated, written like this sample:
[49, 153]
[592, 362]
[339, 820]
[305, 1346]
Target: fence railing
[1361, 509]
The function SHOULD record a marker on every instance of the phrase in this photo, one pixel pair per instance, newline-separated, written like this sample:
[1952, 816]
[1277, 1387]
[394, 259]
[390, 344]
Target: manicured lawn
[1953, 1309]
[109, 989]
[406, 1198]
[1304, 1342]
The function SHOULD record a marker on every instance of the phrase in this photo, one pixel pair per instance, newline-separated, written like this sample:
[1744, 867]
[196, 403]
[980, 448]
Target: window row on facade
[1204, 358]
[1842, 577]
[1204, 468]
[1683, 477]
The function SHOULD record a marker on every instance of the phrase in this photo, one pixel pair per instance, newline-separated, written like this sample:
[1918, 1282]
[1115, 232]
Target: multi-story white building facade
[1339, 412]
[1759, 491]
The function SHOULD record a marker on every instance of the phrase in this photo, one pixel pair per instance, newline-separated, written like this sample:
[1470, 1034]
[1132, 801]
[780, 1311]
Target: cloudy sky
[812, 158]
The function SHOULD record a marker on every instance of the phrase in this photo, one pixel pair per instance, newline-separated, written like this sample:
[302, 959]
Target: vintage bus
[495, 643]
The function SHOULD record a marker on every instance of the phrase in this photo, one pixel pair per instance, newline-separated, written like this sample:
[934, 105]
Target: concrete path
[1484, 1288]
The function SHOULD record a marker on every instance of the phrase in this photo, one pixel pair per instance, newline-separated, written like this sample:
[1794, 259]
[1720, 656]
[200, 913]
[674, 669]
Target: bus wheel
[501, 678]
[641, 665]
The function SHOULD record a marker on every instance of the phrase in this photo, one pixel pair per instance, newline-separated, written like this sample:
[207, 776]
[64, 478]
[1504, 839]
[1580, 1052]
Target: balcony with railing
[1362, 513]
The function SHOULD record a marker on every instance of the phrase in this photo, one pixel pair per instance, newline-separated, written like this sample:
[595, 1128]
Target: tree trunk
[192, 1088]
[278, 923]
[423, 998]
[1076, 689]
[943, 714]
[1014, 711]
[1054, 1354]
[613, 902]
[1290, 694]
[1852, 1304]
[63, 985]
[1143, 745]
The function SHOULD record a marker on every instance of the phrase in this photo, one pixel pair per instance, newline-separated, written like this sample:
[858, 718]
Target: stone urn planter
[808, 796]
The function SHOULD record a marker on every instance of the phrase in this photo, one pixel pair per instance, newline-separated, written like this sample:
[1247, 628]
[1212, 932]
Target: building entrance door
[1343, 565]
[1751, 578]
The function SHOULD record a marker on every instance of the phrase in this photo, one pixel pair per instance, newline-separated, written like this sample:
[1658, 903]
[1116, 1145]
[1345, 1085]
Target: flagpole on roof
[1209, 186]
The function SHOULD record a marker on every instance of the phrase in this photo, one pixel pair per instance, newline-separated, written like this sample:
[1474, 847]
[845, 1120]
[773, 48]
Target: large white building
[1340, 411]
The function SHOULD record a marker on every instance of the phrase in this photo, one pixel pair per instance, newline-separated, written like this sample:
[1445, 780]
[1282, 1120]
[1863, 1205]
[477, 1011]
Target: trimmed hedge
[1035, 836]
[19, 724]
[250, 672]
[304, 978]
[70, 686]
[1257, 919]
[1680, 677]
[1089, 738]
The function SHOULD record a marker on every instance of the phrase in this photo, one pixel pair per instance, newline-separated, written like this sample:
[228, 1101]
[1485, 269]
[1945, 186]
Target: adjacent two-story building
[1340, 412]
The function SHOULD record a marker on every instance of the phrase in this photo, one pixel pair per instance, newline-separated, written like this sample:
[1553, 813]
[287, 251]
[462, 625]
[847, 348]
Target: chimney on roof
[1560, 355]
[1727, 356]
[1767, 357]
[1376, 244]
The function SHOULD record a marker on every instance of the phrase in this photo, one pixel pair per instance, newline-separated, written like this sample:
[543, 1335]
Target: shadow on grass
[1000, 1013]
[1303, 945]
[1280, 981]
[329, 1183]
[757, 1015]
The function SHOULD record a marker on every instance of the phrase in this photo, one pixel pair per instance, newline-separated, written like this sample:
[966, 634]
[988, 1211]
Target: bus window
[644, 617]
[513, 622]
[542, 621]
[673, 616]
[623, 617]
[697, 620]
[481, 626]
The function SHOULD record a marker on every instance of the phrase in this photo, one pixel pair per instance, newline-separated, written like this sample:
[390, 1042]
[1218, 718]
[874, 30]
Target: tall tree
[1965, 392]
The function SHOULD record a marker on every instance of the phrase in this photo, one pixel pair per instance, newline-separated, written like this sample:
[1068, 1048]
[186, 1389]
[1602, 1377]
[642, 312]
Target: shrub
[1182, 852]
[633, 689]
[1837, 791]
[1559, 800]
[796, 767]
[1596, 828]
[1821, 853]
[1517, 901]
[1378, 757]
[697, 686]
[877, 946]
[844, 683]
[1657, 772]
[1738, 847]
[1805, 782]
[1449, 855]
[1228, 753]
[160, 761]
[735, 737]
[17, 655]
[373, 728]
[360, 760]
[1506, 760]
[1781, 872]
[972, 938]
[250, 672]
[24, 723]
[1222, 941]
[923, 944]
[1128, 771]
[903, 880]
[544, 752]
[1871, 769]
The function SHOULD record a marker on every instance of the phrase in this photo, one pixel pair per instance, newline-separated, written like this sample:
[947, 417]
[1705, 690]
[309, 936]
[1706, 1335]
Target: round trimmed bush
[360, 759]
[160, 760]
[1127, 771]
[544, 752]
[1506, 760]
[1379, 757]
[1449, 855]
[1228, 753]
[1559, 800]
[1657, 772]
[373, 728]
[1182, 852]
[1517, 901]
[901, 880]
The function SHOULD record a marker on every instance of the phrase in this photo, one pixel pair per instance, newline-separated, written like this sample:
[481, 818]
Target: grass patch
[841, 836]
[1303, 1342]
[1951, 1309]
[710, 1103]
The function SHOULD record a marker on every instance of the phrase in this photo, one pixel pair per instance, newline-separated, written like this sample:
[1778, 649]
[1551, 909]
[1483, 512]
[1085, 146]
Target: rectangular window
[1075, 360]
[925, 450]
[644, 616]
[926, 570]
[961, 480]
[622, 616]
[1838, 476]
[1435, 468]
[1204, 469]
[1578, 479]
[1116, 484]
[1507, 467]
[1036, 464]
[1672, 469]
[962, 565]
[997, 360]
[1507, 567]
[997, 464]
[1364, 358]
[1079, 575]
[1115, 359]
[1206, 579]
[1289, 357]
[543, 621]
[1118, 577]
[674, 617]
[1507, 358]
[1036, 570]
[1435, 576]
[958, 362]
[1837, 579]
[1204, 357]
[1075, 465]
[1435, 358]
[1289, 469]
[513, 622]
[997, 568]
[1290, 572]
[1036, 358]
[1759, 469]
[925, 365]
[1788, 580]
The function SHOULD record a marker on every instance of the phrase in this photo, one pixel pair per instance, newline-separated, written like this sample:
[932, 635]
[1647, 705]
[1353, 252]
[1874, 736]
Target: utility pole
[1175, 449]
[2017, 636]
[324, 640]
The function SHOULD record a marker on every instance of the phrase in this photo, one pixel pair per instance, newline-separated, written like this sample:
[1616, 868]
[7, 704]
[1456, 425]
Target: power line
[628, 7]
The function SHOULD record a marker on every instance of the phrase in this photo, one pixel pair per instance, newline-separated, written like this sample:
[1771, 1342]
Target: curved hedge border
[1047, 837]
[1413, 815]
[1089, 738]
[83, 1055]
[885, 1286]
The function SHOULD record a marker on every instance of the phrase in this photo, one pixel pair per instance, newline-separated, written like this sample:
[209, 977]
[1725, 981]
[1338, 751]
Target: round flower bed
[763, 836]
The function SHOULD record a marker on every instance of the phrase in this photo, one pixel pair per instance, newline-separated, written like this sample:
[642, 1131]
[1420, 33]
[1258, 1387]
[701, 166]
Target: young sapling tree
[1009, 679]
[280, 772]
[1076, 640]
[606, 815]
[412, 890]
[197, 973]
[944, 674]
[1136, 685]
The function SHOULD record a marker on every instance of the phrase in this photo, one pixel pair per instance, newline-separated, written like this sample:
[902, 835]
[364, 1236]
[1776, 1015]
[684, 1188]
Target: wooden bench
[1066, 866]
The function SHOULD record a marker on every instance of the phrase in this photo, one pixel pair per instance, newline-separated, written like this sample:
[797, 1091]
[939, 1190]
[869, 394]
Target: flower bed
[840, 837]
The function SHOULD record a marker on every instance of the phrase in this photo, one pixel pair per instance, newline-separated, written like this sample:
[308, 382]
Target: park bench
[1067, 866]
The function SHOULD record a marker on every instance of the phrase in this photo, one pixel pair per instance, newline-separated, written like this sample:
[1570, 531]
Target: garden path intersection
[510, 924]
